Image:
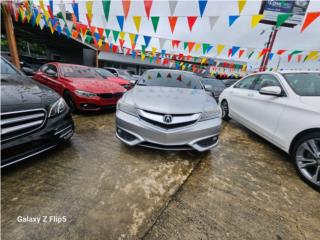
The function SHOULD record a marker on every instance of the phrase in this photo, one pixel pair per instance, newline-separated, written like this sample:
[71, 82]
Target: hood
[118, 80]
[96, 85]
[169, 100]
[311, 101]
[20, 93]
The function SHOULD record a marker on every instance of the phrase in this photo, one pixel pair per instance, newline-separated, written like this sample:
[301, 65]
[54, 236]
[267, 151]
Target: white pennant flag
[161, 42]
[62, 7]
[42, 23]
[212, 21]
[69, 25]
[62, 23]
[172, 6]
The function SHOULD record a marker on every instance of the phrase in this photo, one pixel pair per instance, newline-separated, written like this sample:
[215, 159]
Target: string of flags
[102, 38]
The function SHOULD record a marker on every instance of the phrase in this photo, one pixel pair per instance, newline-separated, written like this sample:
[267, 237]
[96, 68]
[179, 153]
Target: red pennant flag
[126, 7]
[289, 57]
[279, 52]
[147, 6]
[175, 43]
[92, 30]
[191, 21]
[181, 56]
[128, 51]
[100, 31]
[173, 22]
[311, 16]
[241, 53]
[107, 47]
[230, 52]
[114, 48]
[263, 52]
[121, 41]
[179, 78]
[50, 11]
[190, 46]
[299, 58]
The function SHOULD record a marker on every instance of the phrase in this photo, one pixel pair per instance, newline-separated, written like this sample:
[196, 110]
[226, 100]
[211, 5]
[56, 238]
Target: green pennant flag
[250, 55]
[282, 18]
[295, 52]
[158, 75]
[205, 48]
[185, 45]
[305, 58]
[106, 8]
[150, 59]
[115, 35]
[143, 49]
[59, 15]
[155, 22]
[107, 32]
[195, 59]
[88, 39]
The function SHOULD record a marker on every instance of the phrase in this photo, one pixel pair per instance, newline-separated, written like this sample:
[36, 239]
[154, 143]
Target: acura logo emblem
[167, 118]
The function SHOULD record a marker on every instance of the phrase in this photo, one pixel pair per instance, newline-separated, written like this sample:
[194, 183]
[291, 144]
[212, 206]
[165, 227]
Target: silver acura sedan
[170, 110]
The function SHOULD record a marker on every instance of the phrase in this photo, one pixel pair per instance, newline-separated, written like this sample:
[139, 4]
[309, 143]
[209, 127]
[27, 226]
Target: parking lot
[245, 188]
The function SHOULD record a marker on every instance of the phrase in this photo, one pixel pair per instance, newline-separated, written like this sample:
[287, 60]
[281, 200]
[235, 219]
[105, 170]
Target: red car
[108, 75]
[82, 87]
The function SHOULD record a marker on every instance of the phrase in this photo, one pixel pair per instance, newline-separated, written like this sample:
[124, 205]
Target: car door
[238, 98]
[264, 111]
[40, 76]
[53, 81]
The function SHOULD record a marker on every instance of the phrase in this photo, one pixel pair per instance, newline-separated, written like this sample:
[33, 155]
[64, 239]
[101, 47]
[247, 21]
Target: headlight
[127, 108]
[206, 115]
[57, 108]
[85, 94]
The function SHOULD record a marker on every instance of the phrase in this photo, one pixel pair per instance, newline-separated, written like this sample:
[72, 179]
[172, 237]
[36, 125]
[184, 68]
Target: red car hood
[118, 80]
[96, 85]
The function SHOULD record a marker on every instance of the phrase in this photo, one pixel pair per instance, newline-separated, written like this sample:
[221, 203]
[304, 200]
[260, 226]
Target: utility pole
[10, 36]
[270, 46]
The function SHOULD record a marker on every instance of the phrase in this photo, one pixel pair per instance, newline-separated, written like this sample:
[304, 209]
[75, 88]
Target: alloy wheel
[308, 160]
[224, 108]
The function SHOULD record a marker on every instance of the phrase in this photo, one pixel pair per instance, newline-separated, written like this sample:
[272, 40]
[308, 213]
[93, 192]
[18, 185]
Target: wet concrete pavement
[243, 189]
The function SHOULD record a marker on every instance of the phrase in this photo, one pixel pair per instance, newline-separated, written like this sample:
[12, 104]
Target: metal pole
[264, 56]
[11, 38]
[274, 34]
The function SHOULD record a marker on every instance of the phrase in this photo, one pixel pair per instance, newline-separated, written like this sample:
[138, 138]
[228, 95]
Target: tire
[306, 158]
[225, 110]
[69, 100]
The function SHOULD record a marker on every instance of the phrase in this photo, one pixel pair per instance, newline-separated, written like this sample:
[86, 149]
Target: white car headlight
[127, 108]
[206, 115]
[85, 94]
[57, 108]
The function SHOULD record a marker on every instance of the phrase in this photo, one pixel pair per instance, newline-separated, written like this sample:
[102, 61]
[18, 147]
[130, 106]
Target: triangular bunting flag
[232, 19]
[311, 55]
[179, 78]
[271, 56]
[147, 40]
[202, 6]
[106, 8]
[158, 75]
[107, 32]
[126, 6]
[172, 22]
[212, 21]
[175, 43]
[241, 53]
[197, 47]
[115, 35]
[155, 22]
[279, 52]
[161, 42]
[190, 46]
[172, 6]
[191, 21]
[310, 17]
[147, 6]
[121, 22]
[205, 48]
[282, 18]
[255, 20]
[220, 48]
[241, 4]
[234, 50]
[75, 8]
[137, 22]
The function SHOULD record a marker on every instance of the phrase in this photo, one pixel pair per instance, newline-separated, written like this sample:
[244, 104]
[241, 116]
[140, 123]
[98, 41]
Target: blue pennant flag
[147, 40]
[209, 48]
[53, 21]
[163, 52]
[202, 6]
[97, 36]
[133, 54]
[59, 29]
[234, 50]
[51, 5]
[75, 8]
[68, 33]
[270, 56]
[121, 22]
[232, 19]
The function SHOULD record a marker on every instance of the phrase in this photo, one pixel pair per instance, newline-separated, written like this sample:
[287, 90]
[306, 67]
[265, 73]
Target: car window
[304, 84]
[246, 83]
[104, 73]
[77, 71]
[50, 67]
[44, 68]
[265, 80]
[7, 69]
[112, 70]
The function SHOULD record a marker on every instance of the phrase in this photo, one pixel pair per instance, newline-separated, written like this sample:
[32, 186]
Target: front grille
[166, 147]
[168, 126]
[16, 124]
[110, 95]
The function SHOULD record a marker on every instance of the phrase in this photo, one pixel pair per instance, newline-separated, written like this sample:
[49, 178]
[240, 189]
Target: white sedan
[283, 108]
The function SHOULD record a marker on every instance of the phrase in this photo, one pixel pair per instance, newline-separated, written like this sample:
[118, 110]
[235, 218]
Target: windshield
[124, 72]
[304, 84]
[79, 72]
[176, 79]
[213, 83]
[104, 73]
[7, 69]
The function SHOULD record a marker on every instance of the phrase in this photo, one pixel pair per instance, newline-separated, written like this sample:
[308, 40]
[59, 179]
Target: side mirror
[51, 73]
[28, 71]
[272, 90]
[116, 74]
[208, 88]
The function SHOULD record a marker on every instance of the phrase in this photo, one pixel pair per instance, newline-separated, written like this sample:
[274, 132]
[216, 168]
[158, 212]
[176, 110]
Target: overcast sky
[239, 34]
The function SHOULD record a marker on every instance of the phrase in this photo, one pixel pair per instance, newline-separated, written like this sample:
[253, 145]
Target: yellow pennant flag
[132, 37]
[220, 48]
[122, 35]
[42, 5]
[137, 21]
[153, 51]
[100, 42]
[89, 7]
[38, 19]
[143, 56]
[241, 4]
[51, 28]
[255, 20]
[203, 60]
[183, 67]
[312, 55]
[197, 46]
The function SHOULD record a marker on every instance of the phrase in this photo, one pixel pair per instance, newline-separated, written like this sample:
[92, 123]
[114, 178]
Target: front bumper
[199, 136]
[54, 131]
[94, 103]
